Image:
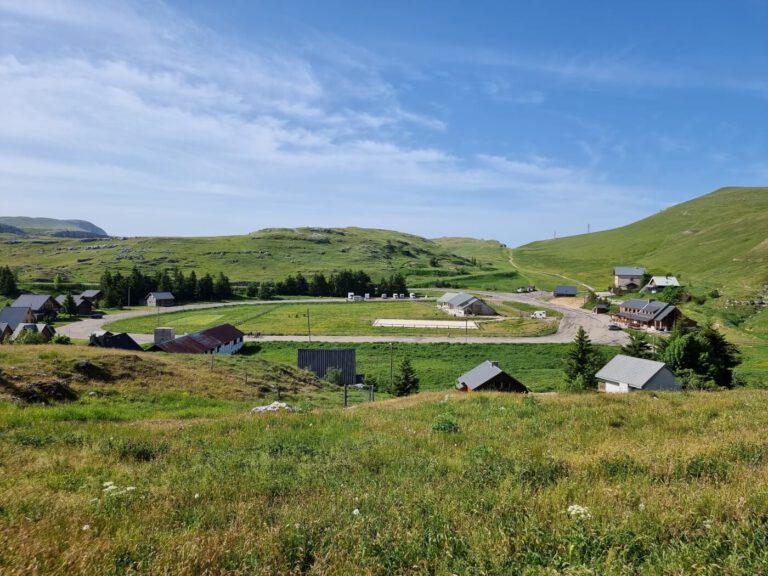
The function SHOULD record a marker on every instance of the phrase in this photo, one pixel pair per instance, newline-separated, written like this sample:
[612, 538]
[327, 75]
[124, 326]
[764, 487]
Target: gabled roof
[91, 294]
[479, 375]
[34, 301]
[628, 271]
[565, 291]
[648, 310]
[120, 341]
[78, 299]
[39, 327]
[460, 300]
[635, 372]
[161, 295]
[5, 329]
[203, 341]
[15, 315]
[664, 281]
[446, 297]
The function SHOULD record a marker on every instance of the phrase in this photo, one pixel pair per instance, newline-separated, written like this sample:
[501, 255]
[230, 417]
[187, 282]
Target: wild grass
[439, 483]
[333, 319]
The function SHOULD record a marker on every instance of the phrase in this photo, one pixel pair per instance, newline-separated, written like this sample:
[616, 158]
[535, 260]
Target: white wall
[620, 388]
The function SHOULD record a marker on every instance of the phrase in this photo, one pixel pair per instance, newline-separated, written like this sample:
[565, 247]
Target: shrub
[61, 339]
[445, 423]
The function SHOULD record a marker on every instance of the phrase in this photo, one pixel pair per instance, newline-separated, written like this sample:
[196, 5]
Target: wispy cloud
[169, 128]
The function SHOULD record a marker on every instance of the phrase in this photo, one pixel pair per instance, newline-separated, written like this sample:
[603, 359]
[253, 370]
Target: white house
[464, 305]
[658, 283]
[626, 374]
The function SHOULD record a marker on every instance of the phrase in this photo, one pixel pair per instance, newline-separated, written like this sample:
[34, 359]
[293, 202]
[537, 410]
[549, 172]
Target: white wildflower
[86, 527]
[108, 484]
[708, 524]
[576, 511]
[356, 512]
[197, 496]
[130, 488]
[110, 488]
[641, 506]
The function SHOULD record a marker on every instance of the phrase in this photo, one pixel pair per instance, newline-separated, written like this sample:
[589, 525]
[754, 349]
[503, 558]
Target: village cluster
[31, 313]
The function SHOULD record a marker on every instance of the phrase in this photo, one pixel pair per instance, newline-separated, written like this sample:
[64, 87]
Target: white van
[351, 296]
[413, 296]
[539, 314]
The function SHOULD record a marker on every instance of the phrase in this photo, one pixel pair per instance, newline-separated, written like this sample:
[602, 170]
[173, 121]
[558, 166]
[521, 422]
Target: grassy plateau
[165, 470]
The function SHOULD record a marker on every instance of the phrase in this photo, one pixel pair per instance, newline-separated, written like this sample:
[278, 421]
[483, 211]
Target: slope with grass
[714, 241]
[270, 254]
[48, 226]
[439, 483]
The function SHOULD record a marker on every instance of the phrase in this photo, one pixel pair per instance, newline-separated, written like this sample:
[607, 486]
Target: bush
[445, 423]
[61, 339]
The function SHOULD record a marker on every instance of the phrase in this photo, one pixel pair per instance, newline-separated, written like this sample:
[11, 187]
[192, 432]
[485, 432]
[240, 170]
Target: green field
[271, 254]
[332, 319]
[166, 471]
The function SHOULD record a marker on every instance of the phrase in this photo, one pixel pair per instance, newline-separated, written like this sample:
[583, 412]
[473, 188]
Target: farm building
[319, 361]
[84, 306]
[658, 283]
[464, 305]
[120, 341]
[628, 278]
[43, 306]
[625, 374]
[564, 291]
[601, 308]
[15, 315]
[489, 377]
[160, 299]
[647, 314]
[45, 330]
[93, 296]
[222, 339]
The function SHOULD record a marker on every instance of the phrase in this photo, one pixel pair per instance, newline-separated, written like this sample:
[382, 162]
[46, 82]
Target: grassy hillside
[715, 241]
[265, 255]
[46, 226]
[439, 483]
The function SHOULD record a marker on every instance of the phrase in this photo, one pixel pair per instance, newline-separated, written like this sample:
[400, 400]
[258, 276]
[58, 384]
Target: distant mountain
[50, 227]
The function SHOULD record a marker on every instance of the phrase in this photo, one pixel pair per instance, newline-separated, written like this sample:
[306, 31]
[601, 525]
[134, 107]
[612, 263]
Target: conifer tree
[583, 361]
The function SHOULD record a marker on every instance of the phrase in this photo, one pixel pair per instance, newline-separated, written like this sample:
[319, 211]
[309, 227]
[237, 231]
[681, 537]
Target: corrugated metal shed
[320, 360]
[202, 342]
[565, 291]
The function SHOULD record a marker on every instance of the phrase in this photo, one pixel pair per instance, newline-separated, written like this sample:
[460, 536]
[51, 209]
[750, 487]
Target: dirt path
[596, 325]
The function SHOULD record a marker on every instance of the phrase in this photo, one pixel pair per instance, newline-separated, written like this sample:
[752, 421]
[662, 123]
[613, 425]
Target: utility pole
[391, 366]
[346, 401]
[309, 327]
[129, 295]
[466, 329]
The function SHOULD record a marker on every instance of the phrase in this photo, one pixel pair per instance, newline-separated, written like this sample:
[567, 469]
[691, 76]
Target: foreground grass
[337, 319]
[671, 484]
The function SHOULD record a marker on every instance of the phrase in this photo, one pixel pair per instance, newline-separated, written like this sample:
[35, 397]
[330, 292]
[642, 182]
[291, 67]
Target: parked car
[614, 327]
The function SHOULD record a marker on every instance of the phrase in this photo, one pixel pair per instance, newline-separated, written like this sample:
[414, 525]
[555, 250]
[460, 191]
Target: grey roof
[664, 281]
[648, 310]
[14, 315]
[628, 271]
[447, 296]
[39, 327]
[565, 290]
[4, 327]
[61, 297]
[635, 372]
[161, 295]
[34, 301]
[91, 294]
[479, 375]
[460, 300]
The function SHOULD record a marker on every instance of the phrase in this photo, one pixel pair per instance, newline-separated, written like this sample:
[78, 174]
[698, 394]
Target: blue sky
[506, 120]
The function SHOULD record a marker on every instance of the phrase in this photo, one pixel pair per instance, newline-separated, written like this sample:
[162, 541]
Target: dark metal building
[319, 361]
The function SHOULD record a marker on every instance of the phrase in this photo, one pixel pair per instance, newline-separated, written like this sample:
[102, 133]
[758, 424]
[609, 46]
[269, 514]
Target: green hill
[719, 240]
[50, 227]
[270, 254]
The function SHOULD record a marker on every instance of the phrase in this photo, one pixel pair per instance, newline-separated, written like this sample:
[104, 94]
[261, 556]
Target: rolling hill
[270, 254]
[50, 227]
[719, 240]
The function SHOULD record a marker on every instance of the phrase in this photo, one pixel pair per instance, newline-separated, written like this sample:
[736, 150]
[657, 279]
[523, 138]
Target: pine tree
[638, 346]
[406, 382]
[69, 307]
[583, 361]
[8, 285]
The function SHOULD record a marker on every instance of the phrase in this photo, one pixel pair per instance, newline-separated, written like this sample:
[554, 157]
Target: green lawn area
[342, 319]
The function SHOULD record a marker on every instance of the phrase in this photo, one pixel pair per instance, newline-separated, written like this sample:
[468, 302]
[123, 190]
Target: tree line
[119, 290]
[338, 284]
[8, 284]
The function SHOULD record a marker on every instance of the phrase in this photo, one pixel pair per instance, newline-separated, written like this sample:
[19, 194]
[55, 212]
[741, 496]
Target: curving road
[596, 325]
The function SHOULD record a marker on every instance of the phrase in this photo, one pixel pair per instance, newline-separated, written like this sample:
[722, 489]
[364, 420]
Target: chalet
[43, 306]
[84, 306]
[321, 360]
[45, 330]
[93, 296]
[658, 283]
[464, 305]
[15, 315]
[625, 374]
[647, 314]
[222, 339]
[489, 377]
[121, 341]
[160, 299]
[564, 291]
[601, 308]
[628, 278]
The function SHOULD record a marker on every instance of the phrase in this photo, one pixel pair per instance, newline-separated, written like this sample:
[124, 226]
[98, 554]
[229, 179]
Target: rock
[274, 407]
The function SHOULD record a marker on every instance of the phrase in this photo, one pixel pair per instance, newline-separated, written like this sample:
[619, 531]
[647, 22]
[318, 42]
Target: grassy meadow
[335, 319]
[438, 483]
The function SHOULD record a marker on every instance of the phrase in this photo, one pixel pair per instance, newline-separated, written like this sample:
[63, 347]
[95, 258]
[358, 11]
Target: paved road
[596, 325]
